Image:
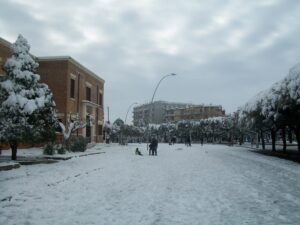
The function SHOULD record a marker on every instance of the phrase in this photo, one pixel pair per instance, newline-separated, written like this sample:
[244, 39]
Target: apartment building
[162, 112]
[158, 112]
[197, 112]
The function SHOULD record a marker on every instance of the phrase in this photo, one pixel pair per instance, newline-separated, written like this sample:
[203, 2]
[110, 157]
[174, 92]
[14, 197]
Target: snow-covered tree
[290, 101]
[120, 132]
[71, 126]
[275, 109]
[26, 106]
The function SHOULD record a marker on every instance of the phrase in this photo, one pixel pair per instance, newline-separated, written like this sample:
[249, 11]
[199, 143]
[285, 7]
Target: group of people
[152, 148]
[154, 144]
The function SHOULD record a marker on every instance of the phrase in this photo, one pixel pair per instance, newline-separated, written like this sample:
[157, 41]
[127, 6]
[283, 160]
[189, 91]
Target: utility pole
[107, 113]
[107, 134]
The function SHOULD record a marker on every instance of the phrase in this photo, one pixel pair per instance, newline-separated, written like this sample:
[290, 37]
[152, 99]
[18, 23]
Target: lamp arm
[158, 86]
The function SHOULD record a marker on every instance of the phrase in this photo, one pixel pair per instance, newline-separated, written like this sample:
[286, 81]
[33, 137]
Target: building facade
[163, 112]
[78, 92]
[197, 112]
[158, 112]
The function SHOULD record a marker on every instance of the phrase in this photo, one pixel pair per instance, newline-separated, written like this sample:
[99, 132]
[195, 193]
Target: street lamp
[135, 103]
[122, 142]
[168, 75]
[151, 104]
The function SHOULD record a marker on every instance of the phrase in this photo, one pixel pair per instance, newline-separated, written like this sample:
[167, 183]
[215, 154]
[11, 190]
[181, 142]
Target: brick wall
[54, 74]
[4, 54]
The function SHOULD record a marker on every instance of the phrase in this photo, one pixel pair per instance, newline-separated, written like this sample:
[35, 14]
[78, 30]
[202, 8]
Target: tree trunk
[283, 139]
[14, 147]
[273, 136]
[297, 133]
[290, 135]
[262, 140]
[241, 139]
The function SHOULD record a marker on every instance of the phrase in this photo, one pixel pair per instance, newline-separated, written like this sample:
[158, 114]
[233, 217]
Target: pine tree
[26, 106]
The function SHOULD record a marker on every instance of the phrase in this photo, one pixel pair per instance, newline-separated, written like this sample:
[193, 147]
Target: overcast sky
[224, 51]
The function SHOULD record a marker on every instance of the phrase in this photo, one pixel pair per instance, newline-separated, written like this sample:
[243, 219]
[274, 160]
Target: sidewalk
[34, 156]
[291, 152]
[9, 165]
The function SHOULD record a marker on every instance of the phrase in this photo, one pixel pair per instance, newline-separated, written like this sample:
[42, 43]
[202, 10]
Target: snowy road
[210, 185]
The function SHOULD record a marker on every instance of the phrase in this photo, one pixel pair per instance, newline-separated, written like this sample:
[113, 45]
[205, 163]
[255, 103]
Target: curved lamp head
[173, 74]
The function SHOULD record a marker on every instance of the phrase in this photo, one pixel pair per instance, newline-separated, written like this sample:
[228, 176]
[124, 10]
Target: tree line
[273, 114]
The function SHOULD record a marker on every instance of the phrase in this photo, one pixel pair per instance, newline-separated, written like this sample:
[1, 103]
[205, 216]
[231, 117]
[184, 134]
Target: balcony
[92, 104]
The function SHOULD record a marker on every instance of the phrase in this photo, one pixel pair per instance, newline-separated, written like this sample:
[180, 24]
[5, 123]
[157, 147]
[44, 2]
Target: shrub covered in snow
[49, 149]
[78, 144]
[61, 150]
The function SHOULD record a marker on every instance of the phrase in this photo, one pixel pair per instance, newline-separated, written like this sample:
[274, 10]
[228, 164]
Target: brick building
[77, 91]
[4, 54]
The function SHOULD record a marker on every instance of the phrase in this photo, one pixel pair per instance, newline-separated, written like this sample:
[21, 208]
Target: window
[88, 93]
[100, 129]
[72, 89]
[100, 99]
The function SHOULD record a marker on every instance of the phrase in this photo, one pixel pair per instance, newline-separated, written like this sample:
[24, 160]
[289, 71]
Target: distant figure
[107, 139]
[173, 140]
[188, 141]
[138, 152]
[201, 141]
[153, 147]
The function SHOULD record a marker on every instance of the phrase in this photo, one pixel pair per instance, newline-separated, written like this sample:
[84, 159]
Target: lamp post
[172, 74]
[151, 104]
[121, 142]
[135, 103]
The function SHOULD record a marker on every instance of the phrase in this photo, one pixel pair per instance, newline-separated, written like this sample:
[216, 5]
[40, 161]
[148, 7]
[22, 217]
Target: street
[209, 185]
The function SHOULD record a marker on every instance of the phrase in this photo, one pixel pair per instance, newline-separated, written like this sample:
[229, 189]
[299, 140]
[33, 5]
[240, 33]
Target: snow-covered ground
[213, 184]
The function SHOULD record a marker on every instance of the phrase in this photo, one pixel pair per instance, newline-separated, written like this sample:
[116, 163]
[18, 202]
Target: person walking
[150, 148]
[153, 146]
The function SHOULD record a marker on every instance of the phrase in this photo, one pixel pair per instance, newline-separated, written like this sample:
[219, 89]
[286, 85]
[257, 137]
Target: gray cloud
[224, 52]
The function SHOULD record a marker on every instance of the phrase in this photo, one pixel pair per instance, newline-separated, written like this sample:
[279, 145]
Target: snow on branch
[72, 126]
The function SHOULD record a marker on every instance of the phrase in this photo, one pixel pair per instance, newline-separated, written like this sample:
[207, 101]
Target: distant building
[162, 112]
[197, 112]
[156, 113]
[77, 91]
